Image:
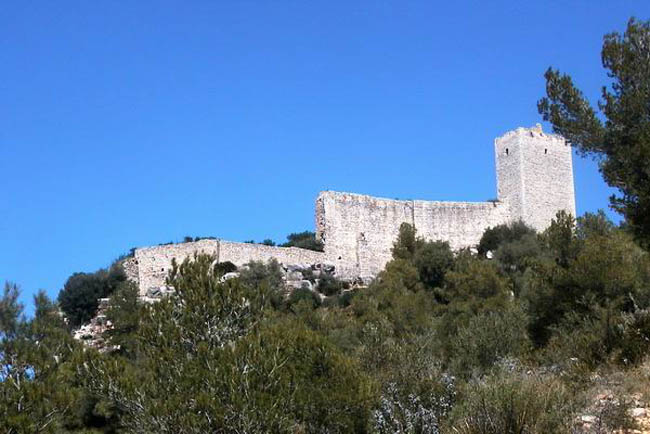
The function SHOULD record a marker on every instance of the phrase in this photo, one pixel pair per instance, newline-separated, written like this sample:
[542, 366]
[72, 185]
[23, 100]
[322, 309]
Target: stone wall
[359, 231]
[154, 262]
[131, 269]
[534, 181]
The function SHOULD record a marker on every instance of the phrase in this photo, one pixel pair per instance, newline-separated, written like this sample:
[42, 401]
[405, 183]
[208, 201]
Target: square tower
[534, 175]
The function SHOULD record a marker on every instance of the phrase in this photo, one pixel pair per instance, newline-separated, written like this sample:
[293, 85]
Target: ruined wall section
[359, 231]
[535, 175]
[460, 223]
[155, 262]
[130, 267]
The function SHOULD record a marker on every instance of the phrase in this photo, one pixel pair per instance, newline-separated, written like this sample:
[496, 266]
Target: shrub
[305, 295]
[635, 340]
[287, 378]
[256, 274]
[493, 237]
[222, 268]
[329, 285]
[406, 244]
[489, 337]
[304, 240]
[512, 402]
[433, 259]
[78, 298]
[591, 224]
[124, 312]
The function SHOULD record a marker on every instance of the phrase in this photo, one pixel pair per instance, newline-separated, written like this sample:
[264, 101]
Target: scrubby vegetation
[524, 337]
[439, 342]
[304, 240]
[78, 298]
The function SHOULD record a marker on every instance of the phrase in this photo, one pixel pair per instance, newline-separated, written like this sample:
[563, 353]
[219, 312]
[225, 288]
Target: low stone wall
[154, 263]
[359, 231]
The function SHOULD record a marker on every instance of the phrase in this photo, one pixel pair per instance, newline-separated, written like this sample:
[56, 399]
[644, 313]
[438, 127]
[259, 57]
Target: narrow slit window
[545, 151]
[506, 151]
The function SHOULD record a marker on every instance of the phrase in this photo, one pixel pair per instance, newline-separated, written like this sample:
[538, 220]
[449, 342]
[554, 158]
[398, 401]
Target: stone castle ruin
[534, 181]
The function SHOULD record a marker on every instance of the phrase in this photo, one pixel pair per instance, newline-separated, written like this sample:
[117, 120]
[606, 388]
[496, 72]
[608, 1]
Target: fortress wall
[460, 223]
[359, 231]
[155, 262]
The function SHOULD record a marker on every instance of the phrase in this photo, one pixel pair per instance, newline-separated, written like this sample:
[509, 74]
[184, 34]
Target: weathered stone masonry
[153, 263]
[534, 181]
[359, 231]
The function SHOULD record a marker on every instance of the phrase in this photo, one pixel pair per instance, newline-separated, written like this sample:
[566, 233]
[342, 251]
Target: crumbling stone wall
[131, 270]
[155, 262]
[359, 231]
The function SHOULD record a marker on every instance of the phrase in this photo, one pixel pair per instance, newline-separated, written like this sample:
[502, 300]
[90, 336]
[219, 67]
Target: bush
[287, 378]
[304, 240]
[256, 274]
[433, 259]
[512, 402]
[330, 285]
[222, 268]
[305, 295]
[78, 298]
[489, 337]
[493, 237]
[124, 312]
[406, 244]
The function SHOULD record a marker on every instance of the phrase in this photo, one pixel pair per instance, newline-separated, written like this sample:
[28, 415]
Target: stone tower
[534, 175]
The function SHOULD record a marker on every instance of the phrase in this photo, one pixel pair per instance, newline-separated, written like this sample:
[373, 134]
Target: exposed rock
[228, 276]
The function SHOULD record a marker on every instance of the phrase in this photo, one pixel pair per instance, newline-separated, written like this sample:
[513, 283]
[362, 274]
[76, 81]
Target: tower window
[506, 151]
[545, 151]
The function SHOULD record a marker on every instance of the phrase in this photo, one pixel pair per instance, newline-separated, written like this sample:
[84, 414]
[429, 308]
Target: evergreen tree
[619, 136]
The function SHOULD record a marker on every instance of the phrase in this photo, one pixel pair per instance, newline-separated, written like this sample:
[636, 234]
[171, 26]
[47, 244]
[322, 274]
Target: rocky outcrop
[93, 333]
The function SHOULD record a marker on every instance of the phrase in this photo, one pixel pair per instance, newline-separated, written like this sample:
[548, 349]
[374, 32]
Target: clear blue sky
[127, 124]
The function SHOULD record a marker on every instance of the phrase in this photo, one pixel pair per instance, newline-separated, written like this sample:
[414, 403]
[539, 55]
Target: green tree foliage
[124, 312]
[560, 239]
[406, 243]
[489, 337]
[439, 342]
[620, 142]
[594, 224]
[222, 368]
[598, 272]
[433, 260]
[417, 262]
[329, 285]
[35, 361]
[222, 268]
[78, 298]
[304, 240]
[494, 237]
[258, 274]
[514, 402]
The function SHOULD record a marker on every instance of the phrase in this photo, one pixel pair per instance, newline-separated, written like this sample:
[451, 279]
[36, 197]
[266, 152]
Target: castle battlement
[534, 174]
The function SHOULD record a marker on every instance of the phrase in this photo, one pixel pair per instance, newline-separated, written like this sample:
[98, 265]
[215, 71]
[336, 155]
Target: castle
[534, 181]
